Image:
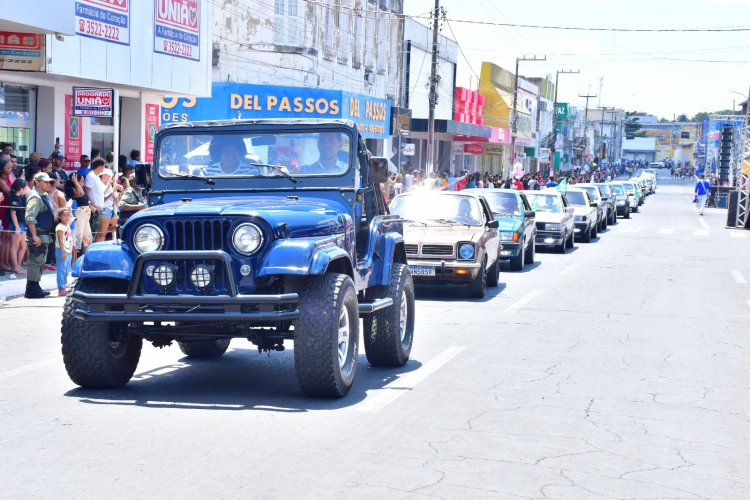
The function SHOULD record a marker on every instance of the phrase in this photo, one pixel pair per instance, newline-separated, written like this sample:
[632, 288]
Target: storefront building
[133, 51]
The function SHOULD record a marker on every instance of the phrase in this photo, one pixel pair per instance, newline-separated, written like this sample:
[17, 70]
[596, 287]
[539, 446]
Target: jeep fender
[305, 256]
[389, 249]
[105, 260]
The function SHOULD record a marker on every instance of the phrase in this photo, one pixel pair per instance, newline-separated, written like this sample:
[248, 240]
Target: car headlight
[506, 236]
[148, 238]
[620, 202]
[580, 218]
[552, 227]
[466, 251]
[247, 238]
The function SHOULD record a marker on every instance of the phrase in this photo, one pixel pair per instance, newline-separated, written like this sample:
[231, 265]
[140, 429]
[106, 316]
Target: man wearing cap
[40, 222]
[58, 160]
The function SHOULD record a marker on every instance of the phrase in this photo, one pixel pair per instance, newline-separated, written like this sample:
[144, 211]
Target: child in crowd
[19, 190]
[63, 249]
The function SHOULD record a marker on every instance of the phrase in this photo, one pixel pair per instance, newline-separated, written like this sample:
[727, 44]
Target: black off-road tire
[204, 349]
[385, 343]
[92, 359]
[531, 252]
[478, 287]
[517, 262]
[316, 335]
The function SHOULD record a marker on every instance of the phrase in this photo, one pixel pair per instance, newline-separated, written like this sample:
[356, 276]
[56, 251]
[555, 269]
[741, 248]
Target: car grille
[200, 234]
[412, 249]
[437, 250]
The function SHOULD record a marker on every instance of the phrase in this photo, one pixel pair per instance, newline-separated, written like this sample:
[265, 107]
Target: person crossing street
[40, 222]
[702, 190]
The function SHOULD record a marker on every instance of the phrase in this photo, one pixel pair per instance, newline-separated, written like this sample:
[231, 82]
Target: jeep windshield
[438, 209]
[248, 154]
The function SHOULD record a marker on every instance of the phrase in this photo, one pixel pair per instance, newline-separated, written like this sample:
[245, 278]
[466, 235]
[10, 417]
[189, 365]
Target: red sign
[474, 149]
[21, 51]
[73, 136]
[152, 123]
[93, 102]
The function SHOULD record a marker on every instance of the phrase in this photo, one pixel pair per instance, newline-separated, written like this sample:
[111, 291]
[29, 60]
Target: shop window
[14, 100]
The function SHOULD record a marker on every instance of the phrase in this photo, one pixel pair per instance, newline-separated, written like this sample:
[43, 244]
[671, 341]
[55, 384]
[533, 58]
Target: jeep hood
[304, 217]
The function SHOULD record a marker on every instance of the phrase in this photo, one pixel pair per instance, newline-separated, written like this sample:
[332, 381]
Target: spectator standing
[19, 190]
[74, 191]
[135, 157]
[132, 200]
[63, 249]
[94, 189]
[40, 222]
[6, 181]
[702, 190]
[58, 160]
[108, 222]
[85, 166]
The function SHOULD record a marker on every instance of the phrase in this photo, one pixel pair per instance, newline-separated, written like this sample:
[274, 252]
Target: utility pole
[601, 130]
[554, 115]
[514, 120]
[586, 122]
[430, 166]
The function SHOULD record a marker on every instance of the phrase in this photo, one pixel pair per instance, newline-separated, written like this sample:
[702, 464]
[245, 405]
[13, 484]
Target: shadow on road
[451, 293]
[240, 380]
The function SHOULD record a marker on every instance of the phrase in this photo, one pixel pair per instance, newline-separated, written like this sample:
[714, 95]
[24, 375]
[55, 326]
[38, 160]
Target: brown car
[450, 238]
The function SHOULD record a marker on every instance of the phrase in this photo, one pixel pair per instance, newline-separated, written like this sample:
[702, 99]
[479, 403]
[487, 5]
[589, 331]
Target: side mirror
[594, 204]
[529, 214]
[143, 175]
[493, 224]
[377, 170]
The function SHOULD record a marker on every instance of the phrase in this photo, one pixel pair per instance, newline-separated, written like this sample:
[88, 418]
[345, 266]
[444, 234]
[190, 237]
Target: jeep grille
[199, 234]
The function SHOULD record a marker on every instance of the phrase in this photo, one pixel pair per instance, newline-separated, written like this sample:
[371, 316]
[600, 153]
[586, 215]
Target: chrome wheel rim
[343, 337]
[403, 316]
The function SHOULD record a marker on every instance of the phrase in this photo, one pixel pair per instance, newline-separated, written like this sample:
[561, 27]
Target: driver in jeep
[228, 156]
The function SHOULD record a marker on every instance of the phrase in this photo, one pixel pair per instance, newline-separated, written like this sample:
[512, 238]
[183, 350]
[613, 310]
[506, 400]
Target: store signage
[409, 149]
[474, 149]
[151, 124]
[93, 102]
[106, 20]
[239, 100]
[73, 136]
[21, 51]
[561, 110]
[177, 28]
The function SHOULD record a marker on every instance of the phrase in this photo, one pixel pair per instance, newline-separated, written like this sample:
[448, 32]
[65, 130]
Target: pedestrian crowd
[49, 215]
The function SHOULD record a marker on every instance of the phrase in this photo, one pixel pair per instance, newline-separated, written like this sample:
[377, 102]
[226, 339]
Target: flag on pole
[563, 186]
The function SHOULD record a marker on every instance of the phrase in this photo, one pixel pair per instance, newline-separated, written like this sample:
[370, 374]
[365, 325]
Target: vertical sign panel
[107, 20]
[177, 28]
[152, 123]
[73, 134]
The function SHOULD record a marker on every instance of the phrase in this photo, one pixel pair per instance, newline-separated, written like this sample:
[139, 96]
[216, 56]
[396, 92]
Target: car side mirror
[529, 214]
[377, 170]
[594, 204]
[493, 224]
[143, 175]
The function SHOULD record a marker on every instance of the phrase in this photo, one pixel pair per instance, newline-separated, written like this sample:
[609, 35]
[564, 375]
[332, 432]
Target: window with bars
[345, 31]
[288, 24]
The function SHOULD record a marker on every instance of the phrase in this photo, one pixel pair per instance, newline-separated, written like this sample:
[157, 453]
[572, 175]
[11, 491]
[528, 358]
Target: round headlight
[247, 238]
[466, 251]
[148, 238]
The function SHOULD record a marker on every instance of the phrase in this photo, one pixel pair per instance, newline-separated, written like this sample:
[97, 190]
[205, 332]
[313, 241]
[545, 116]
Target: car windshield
[628, 187]
[253, 154]
[576, 198]
[593, 191]
[503, 203]
[545, 202]
[604, 190]
[617, 189]
[443, 209]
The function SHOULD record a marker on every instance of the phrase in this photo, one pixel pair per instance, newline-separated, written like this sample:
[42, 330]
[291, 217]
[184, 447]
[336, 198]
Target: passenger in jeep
[228, 156]
[329, 145]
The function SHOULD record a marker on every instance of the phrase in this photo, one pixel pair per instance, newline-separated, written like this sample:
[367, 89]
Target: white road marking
[522, 302]
[666, 230]
[568, 269]
[29, 368]
[391, 392]
[738, 277]
[700, 232]
[702, 222]
[737, 234]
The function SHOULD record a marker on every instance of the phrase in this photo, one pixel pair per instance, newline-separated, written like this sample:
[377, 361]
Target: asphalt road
[619, 370]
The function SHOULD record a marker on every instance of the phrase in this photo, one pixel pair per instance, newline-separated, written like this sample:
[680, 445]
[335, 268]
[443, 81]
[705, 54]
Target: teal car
[517, 224]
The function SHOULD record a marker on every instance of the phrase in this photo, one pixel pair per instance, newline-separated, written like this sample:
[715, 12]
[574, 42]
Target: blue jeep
[268, 230]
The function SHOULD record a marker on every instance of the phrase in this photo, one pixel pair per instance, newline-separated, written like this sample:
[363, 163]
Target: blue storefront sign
[243, 100]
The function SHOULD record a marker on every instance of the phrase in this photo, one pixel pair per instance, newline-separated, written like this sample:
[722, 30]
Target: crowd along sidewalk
[14, 285]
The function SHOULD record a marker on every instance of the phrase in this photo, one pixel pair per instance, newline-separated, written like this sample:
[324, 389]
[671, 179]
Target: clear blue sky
[659, 73]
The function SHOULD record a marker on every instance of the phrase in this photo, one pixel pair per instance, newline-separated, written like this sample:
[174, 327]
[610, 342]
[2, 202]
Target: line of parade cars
[462, 237]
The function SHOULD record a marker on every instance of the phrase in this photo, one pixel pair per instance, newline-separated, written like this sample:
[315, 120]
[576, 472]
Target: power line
[466, 59]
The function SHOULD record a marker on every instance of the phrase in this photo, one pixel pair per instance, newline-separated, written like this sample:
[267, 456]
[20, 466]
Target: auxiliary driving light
[164, 274]
[202, 275]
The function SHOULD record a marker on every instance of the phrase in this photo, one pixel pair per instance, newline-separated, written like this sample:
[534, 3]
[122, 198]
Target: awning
[451, 127]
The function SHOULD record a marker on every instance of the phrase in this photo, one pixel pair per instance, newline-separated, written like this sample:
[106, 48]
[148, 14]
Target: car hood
[579, 210]
[550, 216]
[441, 235]
[508, 222]
[303, 217]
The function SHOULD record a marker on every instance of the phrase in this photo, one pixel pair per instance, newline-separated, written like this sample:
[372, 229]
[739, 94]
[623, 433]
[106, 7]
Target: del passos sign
[238, 101]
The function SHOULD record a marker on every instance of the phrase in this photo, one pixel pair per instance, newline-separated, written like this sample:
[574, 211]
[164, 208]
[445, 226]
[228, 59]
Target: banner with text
[151, 124]
[21, 51]
[106, 20]
[73, 146]
[177, 28]
[239, 100]
[93, 102]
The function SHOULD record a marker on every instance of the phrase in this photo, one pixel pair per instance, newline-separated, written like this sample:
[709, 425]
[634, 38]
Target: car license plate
[422, 270]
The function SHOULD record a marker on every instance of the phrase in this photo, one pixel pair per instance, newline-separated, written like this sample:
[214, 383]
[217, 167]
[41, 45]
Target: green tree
[633, 125]
[682, 118]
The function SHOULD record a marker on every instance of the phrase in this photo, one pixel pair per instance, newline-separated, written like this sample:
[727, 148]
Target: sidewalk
[11, 288]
